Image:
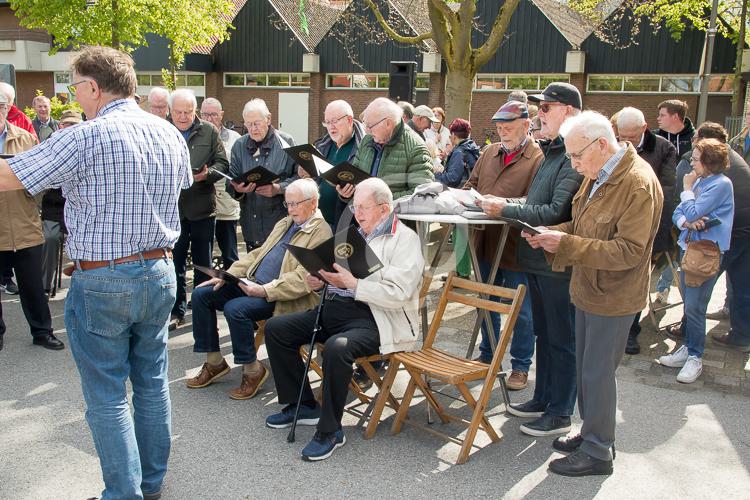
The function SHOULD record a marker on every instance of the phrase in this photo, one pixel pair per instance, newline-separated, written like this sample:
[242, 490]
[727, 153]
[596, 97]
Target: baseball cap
[425, 111]
[561, 92]
[70, 116]
[511, 110]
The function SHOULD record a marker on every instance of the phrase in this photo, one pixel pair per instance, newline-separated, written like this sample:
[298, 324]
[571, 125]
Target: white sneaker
[663, 297]
[691, 371]
[675, 360]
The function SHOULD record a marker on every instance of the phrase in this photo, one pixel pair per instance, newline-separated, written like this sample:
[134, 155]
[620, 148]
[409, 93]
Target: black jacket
[199, 200]
[739, 173]
[547, 203]
[662, 156]
[682, 140]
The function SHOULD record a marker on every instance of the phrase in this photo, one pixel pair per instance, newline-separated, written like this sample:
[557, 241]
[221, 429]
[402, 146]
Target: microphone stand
[316, 329]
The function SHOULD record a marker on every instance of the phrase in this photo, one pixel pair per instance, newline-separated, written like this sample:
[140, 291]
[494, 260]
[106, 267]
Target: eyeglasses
[693, 159]
[579, 155]
[72, 86]
[209, 115]
[294, 204]
[370, 127]
[330, 123]
[545, 107]
[353, 208]
[257, 124]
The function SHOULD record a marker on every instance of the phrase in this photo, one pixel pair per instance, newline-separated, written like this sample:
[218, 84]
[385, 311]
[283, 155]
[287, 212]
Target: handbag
[700, 261]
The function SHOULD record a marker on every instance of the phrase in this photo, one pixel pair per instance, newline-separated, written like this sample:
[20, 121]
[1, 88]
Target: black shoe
[530, 408]
[10, 287]
[546, 425]
[726, 340]
[152, 496]
[632, 347]
[175, 322]
[567, 444]
[361, 379]
[580, 463]
[676, 331]
[49, 342]
[190, 305]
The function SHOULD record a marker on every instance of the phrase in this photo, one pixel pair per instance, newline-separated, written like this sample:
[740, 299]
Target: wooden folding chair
[455, 370]
[654, 308]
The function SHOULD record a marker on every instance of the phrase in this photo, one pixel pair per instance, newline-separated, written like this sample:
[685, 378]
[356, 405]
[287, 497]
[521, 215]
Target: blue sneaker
[323, 445]
[307, 416]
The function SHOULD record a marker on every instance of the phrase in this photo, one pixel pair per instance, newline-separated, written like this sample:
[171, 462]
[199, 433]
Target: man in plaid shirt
[122, 173]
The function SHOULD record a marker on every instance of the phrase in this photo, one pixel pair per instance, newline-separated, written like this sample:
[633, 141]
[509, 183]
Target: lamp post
[706, 73]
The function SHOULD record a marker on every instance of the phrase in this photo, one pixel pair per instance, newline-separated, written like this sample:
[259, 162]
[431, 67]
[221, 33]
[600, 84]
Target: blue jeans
[737, 264]
[241, 313]
[665, 279]
[198, 237]
[696, 302]
[117, 318]
[522, 343]
[554, 328]
[226, 237]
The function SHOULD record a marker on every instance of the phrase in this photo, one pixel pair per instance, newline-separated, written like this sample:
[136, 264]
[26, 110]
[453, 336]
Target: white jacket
[393, 292]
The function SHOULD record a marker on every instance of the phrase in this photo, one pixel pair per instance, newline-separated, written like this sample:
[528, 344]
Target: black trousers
[348, 332]
[198, 236]
[28, 266]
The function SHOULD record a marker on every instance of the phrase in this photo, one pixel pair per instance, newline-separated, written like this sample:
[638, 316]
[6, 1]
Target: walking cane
[316, 329]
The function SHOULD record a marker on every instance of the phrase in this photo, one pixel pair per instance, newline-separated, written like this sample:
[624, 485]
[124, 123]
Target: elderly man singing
[275, 285]
[361, 317]
[608, 243]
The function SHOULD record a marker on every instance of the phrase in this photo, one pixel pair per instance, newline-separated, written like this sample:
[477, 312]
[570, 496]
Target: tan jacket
[289, 290]
[20, 224]
[491, 176]
[610, 238]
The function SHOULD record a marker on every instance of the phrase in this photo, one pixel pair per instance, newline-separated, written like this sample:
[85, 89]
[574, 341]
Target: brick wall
[27, 83]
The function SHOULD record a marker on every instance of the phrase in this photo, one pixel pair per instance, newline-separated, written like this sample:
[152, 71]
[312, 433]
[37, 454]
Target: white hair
[591, 125]
[158, 92]
[342, 105]
[39, 98]
[308, 188]
[379, 190]
[9, 91]
[387, 109]
[254, 105]
[212, 101]
[186, 94]
[630, 117]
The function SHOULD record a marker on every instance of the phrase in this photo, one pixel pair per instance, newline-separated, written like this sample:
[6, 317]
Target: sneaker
[719, 314]
[517, 380]
[663, 297]
[691, 371]
[675, 360]
[530, 408]
[10, 287]
[323, 445]
[307, 416]
[547, 425]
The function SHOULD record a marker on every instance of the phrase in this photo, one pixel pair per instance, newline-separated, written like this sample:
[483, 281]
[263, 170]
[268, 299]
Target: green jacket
[405, 162]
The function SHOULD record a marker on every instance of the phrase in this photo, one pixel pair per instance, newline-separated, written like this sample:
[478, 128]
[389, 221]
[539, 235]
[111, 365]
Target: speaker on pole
[402, 83]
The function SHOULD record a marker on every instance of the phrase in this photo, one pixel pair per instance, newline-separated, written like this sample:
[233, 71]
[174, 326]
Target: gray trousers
[600, 344]
[53, 238]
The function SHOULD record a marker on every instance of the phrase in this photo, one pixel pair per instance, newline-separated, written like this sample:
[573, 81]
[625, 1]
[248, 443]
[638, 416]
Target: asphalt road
[671, 443]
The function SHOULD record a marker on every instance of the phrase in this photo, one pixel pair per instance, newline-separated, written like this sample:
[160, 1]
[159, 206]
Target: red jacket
[17, 118]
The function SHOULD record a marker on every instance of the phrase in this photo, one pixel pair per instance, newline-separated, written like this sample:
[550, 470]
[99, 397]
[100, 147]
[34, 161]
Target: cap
[511, 110]
[561, 92]
[70, 116]
[425, 111]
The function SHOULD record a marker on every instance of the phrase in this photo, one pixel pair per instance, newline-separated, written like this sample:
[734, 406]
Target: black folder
[345, 173]
[346, 248]
[519, 224]
[217, 273]
[303, 156]
[316, 165]
[259, 175]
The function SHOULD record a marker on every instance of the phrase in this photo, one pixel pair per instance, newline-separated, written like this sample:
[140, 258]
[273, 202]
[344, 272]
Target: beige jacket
[289, 290]
[610, 238]
[20, 225]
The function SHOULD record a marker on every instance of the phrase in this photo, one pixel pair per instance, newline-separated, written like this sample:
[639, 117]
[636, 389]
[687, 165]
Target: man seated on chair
[361, 317]
[275, 285]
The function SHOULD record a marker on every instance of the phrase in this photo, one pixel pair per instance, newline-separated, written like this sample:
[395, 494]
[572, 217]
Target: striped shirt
[121, 174]
[607, 169]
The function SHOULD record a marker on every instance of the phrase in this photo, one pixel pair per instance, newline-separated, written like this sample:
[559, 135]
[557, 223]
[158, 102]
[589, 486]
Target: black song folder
[260, 176]
[303, 156]
[346, 248]
[314, 164]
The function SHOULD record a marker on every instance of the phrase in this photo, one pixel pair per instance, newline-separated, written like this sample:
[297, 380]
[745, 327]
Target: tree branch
[391, 32]
[442, 35]
[483, 54]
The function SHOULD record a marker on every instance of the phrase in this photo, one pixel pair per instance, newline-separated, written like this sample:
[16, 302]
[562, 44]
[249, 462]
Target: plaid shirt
[607, 169]
[121, 174]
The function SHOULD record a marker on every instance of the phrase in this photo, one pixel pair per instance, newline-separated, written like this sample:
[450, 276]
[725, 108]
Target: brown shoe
[517, 380]
[208, 375]
[250, 384]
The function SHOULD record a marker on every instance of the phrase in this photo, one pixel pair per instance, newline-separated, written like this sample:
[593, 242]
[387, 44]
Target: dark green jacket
[199, 200]
[405, 162]
[547, 203]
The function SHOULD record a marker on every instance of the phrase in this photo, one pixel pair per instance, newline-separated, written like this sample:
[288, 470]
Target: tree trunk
[737, 83]
[115, 26]
[458, 91]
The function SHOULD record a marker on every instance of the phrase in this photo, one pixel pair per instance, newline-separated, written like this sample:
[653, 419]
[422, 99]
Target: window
[62, 80]
[658, 84]
[281, 80]
[490, 82]
[196, 82]
[423, 81]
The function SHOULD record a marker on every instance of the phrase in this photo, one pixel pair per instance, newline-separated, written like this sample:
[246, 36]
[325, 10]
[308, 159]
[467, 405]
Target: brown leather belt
[86, 265]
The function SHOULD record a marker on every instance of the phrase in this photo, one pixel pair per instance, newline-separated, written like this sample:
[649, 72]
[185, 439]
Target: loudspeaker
[402, 83]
